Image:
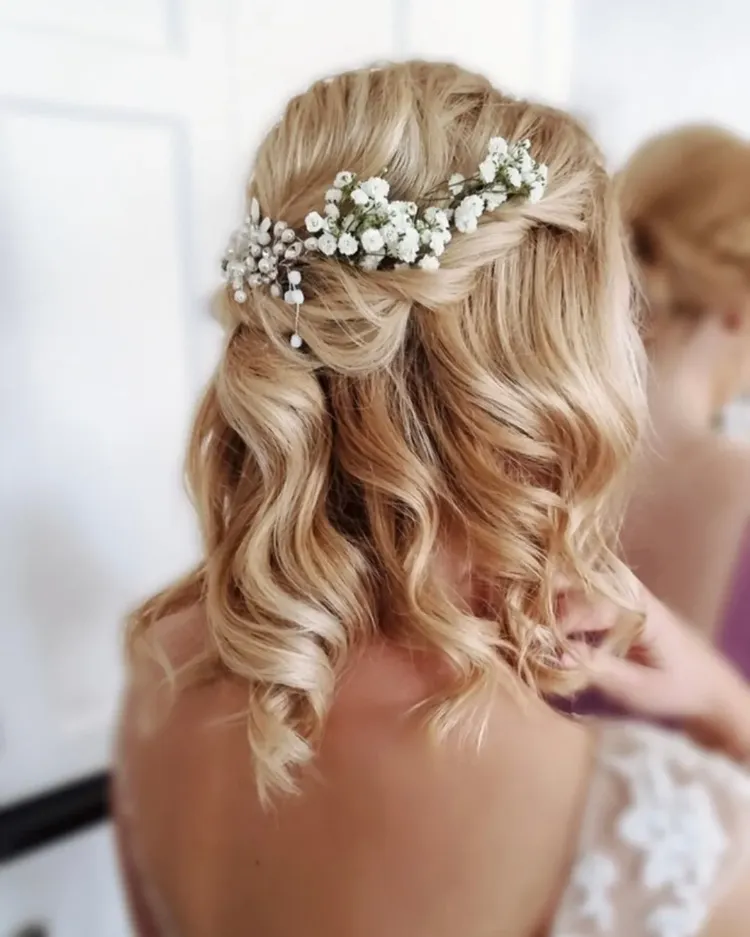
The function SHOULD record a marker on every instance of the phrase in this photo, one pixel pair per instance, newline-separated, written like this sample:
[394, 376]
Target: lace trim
[669, 829]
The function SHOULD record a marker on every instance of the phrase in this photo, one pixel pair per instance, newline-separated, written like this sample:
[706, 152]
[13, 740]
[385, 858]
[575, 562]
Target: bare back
[686, 524]
[391, 834]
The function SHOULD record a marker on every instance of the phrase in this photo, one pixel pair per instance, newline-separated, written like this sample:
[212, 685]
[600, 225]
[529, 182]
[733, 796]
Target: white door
[114, 194]
[116, 190]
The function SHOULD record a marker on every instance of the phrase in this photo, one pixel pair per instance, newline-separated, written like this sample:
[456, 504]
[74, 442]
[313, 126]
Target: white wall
[645, 65]
[524, 47]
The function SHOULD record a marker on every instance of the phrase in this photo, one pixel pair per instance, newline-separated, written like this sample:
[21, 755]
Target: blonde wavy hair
[685, 199]
[484, 413]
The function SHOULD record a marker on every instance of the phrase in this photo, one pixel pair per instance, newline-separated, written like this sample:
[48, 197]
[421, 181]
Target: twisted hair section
[485, 412]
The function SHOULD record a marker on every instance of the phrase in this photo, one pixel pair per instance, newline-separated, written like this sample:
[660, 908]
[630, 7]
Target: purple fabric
[590, 703]
[735, 636]
[734, 641]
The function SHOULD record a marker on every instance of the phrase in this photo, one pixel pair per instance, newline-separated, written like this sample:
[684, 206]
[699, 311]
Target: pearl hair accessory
[362, 227]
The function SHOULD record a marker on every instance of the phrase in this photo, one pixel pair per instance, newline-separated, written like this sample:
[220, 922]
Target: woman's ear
[735, 318]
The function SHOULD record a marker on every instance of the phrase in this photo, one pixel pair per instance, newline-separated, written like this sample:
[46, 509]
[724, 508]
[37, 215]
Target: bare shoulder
[401, 807]
[731, 908]
[168, 693]
[381, 805]
[730, 916]
[733, 459]
[708, 495]
[723, 470]
[171, 644]
[158, 704]
[703, 478]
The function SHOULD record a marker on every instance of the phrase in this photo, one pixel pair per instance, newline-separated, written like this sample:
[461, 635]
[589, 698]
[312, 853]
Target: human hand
[670, 672]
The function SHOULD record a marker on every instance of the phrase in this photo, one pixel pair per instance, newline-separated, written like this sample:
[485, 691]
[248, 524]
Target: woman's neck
[683, 399]
[680, 408]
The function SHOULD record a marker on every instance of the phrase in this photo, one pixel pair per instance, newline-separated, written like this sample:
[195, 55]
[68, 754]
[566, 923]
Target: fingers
[622, 680]
[580, 614]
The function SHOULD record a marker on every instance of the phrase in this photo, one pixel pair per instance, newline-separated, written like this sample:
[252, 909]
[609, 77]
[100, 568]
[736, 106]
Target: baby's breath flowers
[362, 227]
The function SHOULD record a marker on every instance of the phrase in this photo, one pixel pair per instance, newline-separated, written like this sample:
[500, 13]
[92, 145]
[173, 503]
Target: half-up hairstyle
[494, 403]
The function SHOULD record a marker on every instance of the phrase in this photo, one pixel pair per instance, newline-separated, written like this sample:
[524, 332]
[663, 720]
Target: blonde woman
[406, 469]
[686, 202]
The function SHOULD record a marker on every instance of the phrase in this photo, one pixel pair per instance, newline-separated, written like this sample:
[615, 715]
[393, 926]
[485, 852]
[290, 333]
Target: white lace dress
[662, 838]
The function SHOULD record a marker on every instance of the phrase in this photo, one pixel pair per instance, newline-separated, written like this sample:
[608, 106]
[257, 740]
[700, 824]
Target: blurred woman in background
[407, 469]
[685, 199]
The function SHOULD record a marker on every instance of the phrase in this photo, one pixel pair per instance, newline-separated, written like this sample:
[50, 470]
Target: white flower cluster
[361, 226]
[508, 172]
